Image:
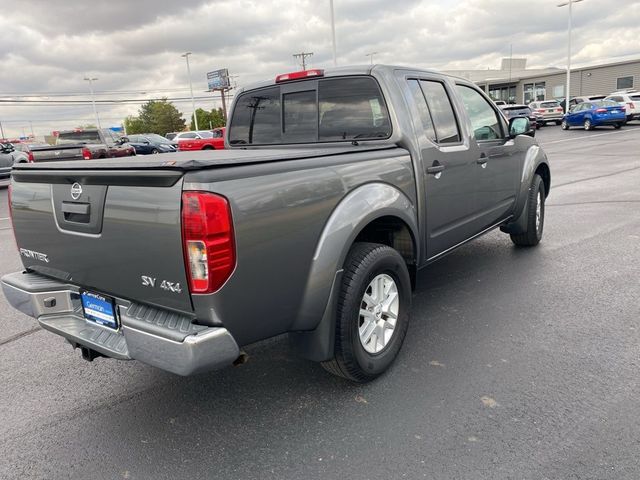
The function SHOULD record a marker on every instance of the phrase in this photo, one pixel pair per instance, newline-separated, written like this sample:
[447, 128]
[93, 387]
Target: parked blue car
[150, 143]
[593, 114]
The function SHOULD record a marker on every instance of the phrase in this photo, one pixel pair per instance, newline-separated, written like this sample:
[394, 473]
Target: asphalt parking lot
[518, 364]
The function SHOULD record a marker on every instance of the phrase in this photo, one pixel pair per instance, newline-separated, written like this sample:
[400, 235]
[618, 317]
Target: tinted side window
[444, 119]
[188, 135]
[423, 109]
[256, 118]
[484, 119]
[352, 108]
[300, 116]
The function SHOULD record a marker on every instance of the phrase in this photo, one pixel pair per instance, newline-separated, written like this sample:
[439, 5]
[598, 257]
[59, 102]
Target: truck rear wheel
[373, 312]
[535, 215]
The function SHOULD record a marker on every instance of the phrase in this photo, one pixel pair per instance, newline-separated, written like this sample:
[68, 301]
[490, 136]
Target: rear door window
[549, 105]
[423, 109]
[444, 118]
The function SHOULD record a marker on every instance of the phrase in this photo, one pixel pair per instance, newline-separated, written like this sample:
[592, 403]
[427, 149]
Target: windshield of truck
[332, 109]
[78, 137]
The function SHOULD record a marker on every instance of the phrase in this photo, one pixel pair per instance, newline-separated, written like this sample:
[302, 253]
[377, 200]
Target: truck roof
[350, 70]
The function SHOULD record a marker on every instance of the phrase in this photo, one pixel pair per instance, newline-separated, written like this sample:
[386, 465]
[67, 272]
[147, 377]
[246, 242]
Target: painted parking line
[583, 137]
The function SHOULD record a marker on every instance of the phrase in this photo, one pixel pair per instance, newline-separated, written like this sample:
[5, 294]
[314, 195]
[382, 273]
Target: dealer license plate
[99, 309]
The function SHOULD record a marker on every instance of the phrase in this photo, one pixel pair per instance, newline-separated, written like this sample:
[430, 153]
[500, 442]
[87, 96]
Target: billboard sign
[218, 79]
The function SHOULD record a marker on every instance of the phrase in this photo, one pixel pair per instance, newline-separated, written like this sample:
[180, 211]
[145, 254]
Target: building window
[624, 82]
[558, 91]
[534, 92]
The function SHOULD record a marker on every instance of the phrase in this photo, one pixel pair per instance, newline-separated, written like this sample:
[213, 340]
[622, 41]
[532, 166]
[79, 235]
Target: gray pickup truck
[336, 188]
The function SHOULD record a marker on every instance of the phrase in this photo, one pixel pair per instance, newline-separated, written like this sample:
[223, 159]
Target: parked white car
[630, 100]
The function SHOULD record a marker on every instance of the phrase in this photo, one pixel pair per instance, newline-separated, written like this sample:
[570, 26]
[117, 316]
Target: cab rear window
[332, 109]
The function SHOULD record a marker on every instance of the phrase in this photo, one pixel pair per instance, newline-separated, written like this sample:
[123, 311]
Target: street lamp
[333, 34]
[370, 55]
[193, 102]
[567, 96]
[93, 100]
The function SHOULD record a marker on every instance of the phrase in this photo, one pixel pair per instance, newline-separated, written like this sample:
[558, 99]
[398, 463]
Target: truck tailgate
[104, 231]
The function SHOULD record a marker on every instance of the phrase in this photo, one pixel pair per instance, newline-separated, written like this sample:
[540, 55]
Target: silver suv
[551, 111]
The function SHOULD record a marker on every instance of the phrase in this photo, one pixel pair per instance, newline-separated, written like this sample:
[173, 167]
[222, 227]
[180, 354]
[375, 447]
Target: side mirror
[146, 142]
[519, 126]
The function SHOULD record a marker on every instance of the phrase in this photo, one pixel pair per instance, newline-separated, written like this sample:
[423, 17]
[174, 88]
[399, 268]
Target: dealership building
[515, 83]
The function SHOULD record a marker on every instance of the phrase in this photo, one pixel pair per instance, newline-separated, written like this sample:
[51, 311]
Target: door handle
[436, 169]
[482, 161]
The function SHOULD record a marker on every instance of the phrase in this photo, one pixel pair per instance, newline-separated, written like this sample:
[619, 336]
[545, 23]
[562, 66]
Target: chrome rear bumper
[164, 339]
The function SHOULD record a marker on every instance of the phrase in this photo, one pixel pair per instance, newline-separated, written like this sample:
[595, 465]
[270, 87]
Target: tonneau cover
[186, 161]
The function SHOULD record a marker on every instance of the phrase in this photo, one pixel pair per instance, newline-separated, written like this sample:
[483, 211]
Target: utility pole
[33, 135]
[370, 55]
[93, 100]
[2, 132]
[567, 96]
[510, 62]
[333, 34]
[303, 58]
[193, 101]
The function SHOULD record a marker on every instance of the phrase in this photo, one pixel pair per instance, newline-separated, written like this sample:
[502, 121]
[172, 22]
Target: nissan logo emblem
[76, 191]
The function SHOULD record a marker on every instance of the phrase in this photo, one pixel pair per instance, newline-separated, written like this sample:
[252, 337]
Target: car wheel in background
[588, 125]
[207, 147]
[155, 151]
[372, 316]
[564, 125]
[535, 215]
[558, 122]
[617, 126]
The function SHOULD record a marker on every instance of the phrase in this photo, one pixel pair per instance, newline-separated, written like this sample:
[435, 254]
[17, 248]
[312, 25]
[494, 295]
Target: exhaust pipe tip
[242, 359]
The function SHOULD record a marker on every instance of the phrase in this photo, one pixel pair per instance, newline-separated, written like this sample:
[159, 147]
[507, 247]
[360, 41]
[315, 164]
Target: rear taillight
[86, 154]
[601, 110]
[208, 243]
[30, 158]
[541, 110]
[560, 110]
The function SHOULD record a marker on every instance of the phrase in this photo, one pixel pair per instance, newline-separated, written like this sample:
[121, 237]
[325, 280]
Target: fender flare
[534, 158]
[314, 325]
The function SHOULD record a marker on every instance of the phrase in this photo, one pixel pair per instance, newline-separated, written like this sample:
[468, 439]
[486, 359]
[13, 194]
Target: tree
[208, 119]
[156, 116]
[133, 125]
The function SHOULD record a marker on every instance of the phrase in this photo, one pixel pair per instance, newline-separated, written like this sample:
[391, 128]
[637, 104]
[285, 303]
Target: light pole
[333, 34]
[193, 102]
[93, 100]
[567, 96]
[370, 55]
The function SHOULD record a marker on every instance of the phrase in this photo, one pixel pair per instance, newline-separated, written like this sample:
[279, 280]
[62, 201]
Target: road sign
[218, 79]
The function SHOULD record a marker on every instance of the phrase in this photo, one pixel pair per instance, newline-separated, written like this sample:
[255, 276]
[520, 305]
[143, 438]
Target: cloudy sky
[133, 47]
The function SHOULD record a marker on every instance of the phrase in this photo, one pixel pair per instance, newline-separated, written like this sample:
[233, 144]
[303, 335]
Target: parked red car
[202, 140]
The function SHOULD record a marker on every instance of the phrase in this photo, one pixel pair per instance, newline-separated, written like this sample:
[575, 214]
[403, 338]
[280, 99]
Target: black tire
[207, 147]
[618, 126]
[364, 262]
[564, 125]
[532, 236]
[588, 125]
[558, 122]
[155, 151]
